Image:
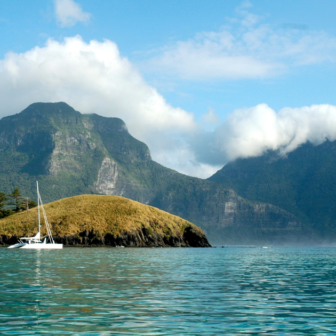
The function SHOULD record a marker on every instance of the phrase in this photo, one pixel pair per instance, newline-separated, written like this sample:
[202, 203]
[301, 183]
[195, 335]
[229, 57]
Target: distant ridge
[303, 182]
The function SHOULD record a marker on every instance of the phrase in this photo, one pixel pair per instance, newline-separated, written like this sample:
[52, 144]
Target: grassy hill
[106, 220]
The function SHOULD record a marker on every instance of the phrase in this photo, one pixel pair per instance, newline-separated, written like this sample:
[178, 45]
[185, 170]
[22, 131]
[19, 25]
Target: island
[94, 220]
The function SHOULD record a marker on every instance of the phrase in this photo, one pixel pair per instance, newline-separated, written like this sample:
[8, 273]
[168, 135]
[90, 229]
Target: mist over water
[168, 291]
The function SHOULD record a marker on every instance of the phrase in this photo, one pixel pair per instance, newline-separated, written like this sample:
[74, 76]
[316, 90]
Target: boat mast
[38, 208]
[40, 205]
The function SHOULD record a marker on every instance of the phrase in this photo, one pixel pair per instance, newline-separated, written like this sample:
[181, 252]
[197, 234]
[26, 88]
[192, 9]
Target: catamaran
[35, 242]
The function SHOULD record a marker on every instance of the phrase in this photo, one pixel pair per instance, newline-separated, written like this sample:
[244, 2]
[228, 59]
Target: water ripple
[85, 291]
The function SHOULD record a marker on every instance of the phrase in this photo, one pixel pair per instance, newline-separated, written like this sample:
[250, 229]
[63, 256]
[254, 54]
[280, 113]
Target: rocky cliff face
[107, 178]
[71, 154]
[228, 218]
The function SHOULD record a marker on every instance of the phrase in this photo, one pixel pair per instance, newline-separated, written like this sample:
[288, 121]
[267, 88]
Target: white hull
[18, 245]
[38, 246]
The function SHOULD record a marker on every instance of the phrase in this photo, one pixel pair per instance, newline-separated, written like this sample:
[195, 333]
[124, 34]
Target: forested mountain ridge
[72, 154]
[303, 182]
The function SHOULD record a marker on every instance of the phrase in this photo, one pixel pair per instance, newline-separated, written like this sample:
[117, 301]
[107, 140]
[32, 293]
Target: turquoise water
[230, 291]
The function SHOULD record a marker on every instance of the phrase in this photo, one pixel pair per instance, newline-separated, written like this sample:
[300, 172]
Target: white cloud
[252, 131]
[244, 48]
[184, 160]
[68, 13]
[93, 78]
[211, 117]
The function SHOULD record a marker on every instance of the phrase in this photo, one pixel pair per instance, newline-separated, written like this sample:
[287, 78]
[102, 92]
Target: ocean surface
[168, 291]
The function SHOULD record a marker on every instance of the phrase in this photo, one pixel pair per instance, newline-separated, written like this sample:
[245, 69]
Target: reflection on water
[38, 267]
[97, 291]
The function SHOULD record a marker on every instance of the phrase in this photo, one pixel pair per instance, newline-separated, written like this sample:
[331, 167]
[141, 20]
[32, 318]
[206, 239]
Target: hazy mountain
[303, 182]
[72, 154]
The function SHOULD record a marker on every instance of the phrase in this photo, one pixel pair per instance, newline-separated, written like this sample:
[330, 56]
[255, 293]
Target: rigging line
[46, 221]
[40, 201]
[38, 208]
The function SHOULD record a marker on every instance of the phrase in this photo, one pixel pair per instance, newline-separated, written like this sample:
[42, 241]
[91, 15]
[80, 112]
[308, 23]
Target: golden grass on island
[100, 214]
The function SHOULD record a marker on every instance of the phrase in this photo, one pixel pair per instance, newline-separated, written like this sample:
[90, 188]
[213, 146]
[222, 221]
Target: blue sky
[205, 59]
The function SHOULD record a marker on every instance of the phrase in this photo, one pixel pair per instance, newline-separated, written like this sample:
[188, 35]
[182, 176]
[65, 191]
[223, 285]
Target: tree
[17, 199]
[32, 204]
[29, 204]
[3, 200]
[3, 211]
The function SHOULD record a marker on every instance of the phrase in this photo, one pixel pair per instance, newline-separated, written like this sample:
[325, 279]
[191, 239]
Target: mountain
[105, 220]
[303, 182]
[70, 154]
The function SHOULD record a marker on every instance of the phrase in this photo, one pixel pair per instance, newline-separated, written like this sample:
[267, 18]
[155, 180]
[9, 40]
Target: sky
[200, 82]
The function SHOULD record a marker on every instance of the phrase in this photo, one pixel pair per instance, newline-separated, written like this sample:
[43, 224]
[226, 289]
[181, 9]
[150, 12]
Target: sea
[168, 291]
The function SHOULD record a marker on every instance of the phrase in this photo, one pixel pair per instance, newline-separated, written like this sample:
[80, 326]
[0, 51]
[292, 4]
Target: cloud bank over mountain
[94, 78]
[251, 131]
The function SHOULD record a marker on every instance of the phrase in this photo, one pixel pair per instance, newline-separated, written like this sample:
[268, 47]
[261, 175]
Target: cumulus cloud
[244, 48]
[93, 78]
[68, 13]
[252, 131]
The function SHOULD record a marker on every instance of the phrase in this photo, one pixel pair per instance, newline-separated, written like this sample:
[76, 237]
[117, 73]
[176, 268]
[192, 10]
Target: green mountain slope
[72, 154]
[303, 182]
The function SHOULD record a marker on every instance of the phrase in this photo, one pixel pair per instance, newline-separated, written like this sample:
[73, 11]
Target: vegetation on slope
[303, 182]
[99, 217]
[52, 144]
[14, 202]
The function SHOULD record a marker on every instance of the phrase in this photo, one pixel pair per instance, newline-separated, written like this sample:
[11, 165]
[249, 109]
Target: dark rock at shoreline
[141, 238]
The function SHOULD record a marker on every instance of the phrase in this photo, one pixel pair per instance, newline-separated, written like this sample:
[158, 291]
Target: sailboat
[35, 242]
